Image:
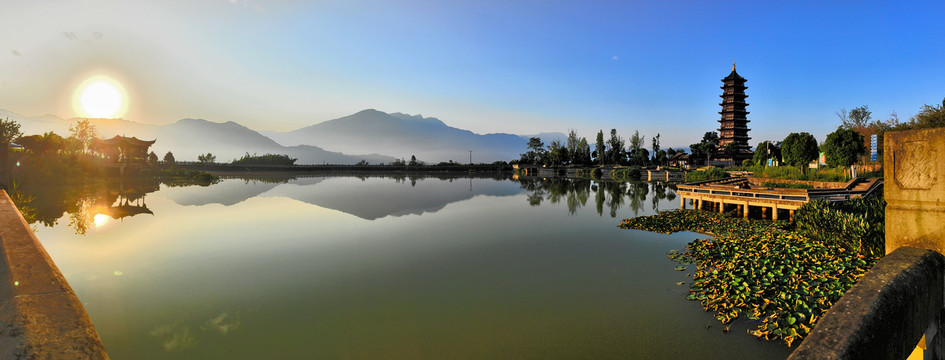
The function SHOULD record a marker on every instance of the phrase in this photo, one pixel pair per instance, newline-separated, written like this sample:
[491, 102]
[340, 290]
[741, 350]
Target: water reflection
[369, 197]
[94, 204]
[88, 205]
[614, 194]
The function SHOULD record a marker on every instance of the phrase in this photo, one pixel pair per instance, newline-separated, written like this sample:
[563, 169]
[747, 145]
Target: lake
[348, 267]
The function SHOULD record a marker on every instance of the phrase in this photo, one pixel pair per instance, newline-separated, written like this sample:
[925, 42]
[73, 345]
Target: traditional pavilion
[734, 121]
[123, 149]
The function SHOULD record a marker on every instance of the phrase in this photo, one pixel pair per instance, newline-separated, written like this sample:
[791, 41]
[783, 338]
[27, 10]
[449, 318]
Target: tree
[572, 145]
[583, 156]
[169, 158]
[9, 130]
[707, 147]
[600, 148]
[207, 159]
[929, 117]
[766, 150]
[858, 118]
[731, 149]
[152, 158]
[536, 151]
[556, 153]
[616, 155]
[636, 143]
[84, 131]
[413, 161]
[843, 147]
[799, 149]
[656, 148]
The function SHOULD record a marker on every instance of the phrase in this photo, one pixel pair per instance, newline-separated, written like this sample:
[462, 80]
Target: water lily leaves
[760, 269]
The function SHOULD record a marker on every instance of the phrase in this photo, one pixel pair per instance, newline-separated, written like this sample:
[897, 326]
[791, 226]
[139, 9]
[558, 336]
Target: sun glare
[100, 220]
[100, 97]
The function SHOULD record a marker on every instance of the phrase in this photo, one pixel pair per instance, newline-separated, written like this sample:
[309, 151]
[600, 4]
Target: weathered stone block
[914, 189]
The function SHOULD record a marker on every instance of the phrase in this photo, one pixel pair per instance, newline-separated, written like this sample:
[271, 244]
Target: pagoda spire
[733, 125]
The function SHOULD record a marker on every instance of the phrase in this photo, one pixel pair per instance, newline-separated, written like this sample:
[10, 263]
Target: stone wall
[40, 315]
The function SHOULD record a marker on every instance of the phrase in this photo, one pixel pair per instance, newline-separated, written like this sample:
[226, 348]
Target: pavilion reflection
[86, 204]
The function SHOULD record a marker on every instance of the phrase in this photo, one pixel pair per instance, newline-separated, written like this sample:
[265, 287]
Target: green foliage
[9, 130]
[597, 173]
[761, 270]
[784, 185]
[799, 149]
[858, 118]
[176, 176]
[827, 174]
[843, 147]
[535, 153]
[857, 224]
[616, 154]
[707, 147]
[58, 168]
[929, 117]
[599, 148]
[766, 150]
[169, 158]
[84, 132]
[626, 174]
[268, 159]
[710, 173]
[207, 158]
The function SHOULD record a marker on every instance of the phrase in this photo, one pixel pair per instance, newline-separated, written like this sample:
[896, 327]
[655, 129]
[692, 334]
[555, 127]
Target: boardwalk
[729, 194]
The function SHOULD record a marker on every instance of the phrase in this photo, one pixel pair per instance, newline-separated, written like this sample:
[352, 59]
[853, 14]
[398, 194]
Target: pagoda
[734, 121]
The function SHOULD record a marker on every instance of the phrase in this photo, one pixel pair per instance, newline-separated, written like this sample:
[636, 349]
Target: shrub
[783, 185]
[857, 224]
[268, 159]
[711, 173]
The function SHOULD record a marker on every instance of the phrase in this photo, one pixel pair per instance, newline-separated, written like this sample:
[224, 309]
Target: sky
[520, 67]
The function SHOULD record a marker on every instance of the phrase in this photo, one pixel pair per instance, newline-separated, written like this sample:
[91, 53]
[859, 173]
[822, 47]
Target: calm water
[383, 268]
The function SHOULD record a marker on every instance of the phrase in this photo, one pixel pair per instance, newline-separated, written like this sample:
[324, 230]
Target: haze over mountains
[370, 135]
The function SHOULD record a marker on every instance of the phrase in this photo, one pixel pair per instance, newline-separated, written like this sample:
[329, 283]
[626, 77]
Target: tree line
[576, 151]
[849, 143]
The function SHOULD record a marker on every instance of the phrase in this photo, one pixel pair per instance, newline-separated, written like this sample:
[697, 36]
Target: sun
[100, 97]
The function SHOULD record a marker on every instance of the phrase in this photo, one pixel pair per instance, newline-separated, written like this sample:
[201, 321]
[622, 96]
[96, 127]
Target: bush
[626, 174]
[783, 185]
[857, 224]
[711, 173]
[597, 173]
[268, 159]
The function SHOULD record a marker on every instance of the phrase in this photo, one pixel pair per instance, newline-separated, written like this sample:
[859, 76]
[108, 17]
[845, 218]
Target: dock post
[774, 212]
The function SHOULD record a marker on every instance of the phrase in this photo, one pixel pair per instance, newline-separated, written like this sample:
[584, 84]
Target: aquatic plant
[761, 270]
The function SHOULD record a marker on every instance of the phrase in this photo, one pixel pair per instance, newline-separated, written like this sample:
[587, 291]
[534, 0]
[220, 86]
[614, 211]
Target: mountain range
[370, 135]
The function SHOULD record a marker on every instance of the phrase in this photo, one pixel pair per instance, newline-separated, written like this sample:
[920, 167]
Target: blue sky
[487, 66]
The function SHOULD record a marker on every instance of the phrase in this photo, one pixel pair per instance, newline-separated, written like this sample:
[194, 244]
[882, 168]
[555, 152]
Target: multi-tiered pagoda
[734, 121]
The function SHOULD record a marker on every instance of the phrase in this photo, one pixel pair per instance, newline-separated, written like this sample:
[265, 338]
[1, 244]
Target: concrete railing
[886, 313]
[40, 315]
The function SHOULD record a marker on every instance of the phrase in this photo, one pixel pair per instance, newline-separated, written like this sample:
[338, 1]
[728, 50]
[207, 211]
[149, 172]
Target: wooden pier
[731, 194]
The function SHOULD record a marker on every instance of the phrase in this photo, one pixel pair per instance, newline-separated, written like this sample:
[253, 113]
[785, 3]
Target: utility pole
[470, 157]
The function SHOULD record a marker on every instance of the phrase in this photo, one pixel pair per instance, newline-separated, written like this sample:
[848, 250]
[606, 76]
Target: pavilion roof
[122, 140]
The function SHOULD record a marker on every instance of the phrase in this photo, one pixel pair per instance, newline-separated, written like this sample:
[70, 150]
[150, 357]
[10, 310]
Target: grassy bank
[775, 272]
